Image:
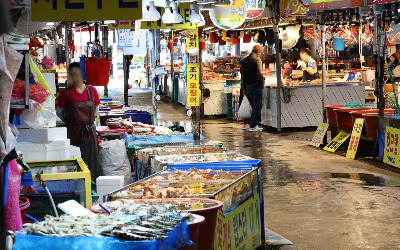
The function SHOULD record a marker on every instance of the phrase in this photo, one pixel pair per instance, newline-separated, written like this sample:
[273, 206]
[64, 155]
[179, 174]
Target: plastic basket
[143, 117]
[98, 70]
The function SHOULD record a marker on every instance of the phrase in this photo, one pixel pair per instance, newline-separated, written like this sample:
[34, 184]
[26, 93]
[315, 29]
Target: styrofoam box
[42, 134]
[55, 150]
[50, 105]
[108, 184]
[75, 152]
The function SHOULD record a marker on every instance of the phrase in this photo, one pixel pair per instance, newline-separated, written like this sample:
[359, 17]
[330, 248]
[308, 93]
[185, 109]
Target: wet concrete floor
[316, 199]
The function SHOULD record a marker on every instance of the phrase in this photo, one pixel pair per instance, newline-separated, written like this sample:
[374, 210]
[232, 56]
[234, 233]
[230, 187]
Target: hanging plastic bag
[114, 160]
[37, 116]
[245, 109]
[10, 62]
[38, 75]
[36, 93]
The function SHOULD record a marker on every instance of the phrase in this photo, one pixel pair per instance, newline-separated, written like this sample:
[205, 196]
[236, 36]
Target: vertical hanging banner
[391, 153]
[355, 138]
[319, 134]
[193, 90]
[85, 10]
[192, 42]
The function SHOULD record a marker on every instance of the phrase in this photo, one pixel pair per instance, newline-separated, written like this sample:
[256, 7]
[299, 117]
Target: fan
[289, 38]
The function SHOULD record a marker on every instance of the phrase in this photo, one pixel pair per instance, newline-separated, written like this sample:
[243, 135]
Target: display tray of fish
[145, 228]
[68, 226]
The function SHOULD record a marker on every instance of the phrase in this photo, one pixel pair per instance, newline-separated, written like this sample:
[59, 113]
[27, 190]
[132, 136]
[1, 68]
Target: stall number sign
[85, 10]
[241, 228]
[184, 10]
[319, 134]
[337, 141]
[355, 138]
[391, 153]
[254, 8]
[193, 97]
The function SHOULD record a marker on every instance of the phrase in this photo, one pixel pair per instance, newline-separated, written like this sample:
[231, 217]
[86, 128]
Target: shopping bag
[245, 109]
[10, 61]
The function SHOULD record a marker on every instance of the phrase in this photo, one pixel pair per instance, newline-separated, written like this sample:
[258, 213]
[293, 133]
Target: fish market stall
[237, 184]
[144, 165]
[301, 104]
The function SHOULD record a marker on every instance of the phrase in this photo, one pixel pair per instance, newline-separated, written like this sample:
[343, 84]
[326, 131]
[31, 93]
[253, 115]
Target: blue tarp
[159, 139]
[177, 238]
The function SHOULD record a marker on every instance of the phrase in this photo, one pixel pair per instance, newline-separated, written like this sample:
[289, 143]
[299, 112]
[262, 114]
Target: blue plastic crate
[143, 117]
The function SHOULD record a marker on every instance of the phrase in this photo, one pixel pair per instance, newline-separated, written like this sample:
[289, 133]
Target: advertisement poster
[294, 7]
[391, 153]
[355, 138]
[228, 17]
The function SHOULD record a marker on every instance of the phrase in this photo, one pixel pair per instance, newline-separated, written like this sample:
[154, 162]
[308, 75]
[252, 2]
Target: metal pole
[197, 115]
[323, 59]
[155, 55]
[278, 68]
[105, 47]
[171, 51]
[125, 65]
[67, 59]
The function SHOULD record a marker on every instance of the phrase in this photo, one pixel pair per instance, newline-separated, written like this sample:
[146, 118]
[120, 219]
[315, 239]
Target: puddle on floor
[363, 179]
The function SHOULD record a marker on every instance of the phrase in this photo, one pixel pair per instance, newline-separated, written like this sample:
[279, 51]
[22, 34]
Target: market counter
[301, 105]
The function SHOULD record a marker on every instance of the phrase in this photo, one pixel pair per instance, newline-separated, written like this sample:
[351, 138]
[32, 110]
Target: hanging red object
[170, 44]
[235, 40]
[98, 70]
[176, 40]
[202, 43]
[213, 38]
[246, 38]
[221, 42]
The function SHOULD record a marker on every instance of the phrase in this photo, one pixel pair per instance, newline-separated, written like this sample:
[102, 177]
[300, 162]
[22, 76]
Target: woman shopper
[286, 68]
[77, 108]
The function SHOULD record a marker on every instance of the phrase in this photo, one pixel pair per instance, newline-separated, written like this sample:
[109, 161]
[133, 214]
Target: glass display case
[230, 182]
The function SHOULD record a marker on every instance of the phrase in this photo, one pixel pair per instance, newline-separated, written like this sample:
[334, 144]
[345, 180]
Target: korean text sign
[85, 10]
[319, 134]
[193, 91]
[192, 41]
[337, 141]
[391, 153]
[355, 138]
[241, 228]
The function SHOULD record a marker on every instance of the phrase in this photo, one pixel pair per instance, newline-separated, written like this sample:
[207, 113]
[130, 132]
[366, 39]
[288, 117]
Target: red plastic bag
[36, 93]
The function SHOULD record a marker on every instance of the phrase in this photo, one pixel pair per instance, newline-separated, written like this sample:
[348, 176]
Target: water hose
[52, 201]
[31, 218]
[5, 184]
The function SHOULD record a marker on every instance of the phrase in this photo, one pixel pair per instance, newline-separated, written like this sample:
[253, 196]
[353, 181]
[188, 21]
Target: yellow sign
[192, 41]
[254, 8]
[355, 138]
[241, 228]
[193, 97]
[337, 141]
[391, 154]
[85, 10]
[319, 134]
[228, 17]
[184, 9]
[293, 8]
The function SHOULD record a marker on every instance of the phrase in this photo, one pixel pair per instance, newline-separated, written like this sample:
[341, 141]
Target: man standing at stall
[253, 84]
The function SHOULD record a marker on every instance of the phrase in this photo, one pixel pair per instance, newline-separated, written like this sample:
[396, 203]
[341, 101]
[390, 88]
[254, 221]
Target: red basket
[23, 206]
[98, 70]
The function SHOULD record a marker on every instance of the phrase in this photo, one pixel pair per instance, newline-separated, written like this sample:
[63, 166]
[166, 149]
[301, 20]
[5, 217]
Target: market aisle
[313, 198]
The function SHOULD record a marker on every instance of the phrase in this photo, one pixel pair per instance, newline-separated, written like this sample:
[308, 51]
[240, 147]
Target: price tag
[391, 153]
[355, 138]
[319, 134]
[337, 141]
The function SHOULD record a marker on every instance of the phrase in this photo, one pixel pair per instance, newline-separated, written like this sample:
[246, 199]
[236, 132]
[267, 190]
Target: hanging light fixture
[194, 15]
[177, 16]
[168, 17]
[150, 14]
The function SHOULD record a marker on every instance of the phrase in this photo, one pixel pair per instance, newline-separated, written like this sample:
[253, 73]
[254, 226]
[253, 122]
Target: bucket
[371, 122]
[221, 42]
[98, 70]
[331, 114]
[23, 206]
[247, 38]
[207, 232]
[343, 118]
[338, 44]
[194, 229]
[235, 40]
[213, 38]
